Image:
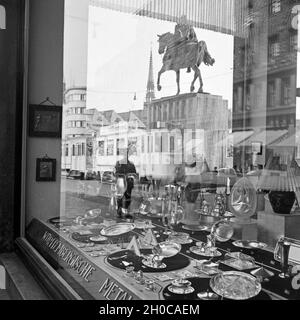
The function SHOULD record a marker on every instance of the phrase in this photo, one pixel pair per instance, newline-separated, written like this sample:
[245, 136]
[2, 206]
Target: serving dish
[117, 229]
[239, 264]
[235, 285]
[249, 244]
[205, 252]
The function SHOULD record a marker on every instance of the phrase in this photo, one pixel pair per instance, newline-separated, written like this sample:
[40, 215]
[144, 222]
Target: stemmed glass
[175, 218]
[121, 186]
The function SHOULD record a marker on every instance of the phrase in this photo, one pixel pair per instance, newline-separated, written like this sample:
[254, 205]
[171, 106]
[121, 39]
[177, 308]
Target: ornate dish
[205, 253]
[249, 244]
[117, 229]
[179, 290]
[235, 285]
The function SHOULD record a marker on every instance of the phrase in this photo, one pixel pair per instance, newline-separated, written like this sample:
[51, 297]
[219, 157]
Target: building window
[79, 149]
[275, 6]
[101, 148]
[83, 148]
[67, 150]
[73, 150]
[110, 148]
[286, 91]
[293, 41]
[271, 94]
[274, 48]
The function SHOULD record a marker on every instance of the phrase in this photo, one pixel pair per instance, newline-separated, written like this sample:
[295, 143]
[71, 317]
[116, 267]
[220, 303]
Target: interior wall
[10, 113]
[45, 79]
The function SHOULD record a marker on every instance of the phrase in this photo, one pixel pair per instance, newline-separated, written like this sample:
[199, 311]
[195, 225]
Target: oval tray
[117, 229]
[249, 244]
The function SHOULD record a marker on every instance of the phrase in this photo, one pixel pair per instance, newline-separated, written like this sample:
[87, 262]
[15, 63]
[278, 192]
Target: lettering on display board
[2, 18]
[72, 258]
[111, 291]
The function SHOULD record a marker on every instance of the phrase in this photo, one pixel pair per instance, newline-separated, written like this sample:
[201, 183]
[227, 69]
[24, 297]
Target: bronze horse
[182, 55]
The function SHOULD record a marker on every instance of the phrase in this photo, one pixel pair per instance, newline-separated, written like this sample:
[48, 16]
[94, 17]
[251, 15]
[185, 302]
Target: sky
[119, 47]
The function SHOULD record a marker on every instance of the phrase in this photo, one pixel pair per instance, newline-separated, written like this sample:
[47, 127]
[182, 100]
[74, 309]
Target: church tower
[150, 84]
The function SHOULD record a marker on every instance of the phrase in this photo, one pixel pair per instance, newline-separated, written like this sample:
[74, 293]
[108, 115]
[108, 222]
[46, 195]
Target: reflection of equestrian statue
[182, 50]
[184, 32]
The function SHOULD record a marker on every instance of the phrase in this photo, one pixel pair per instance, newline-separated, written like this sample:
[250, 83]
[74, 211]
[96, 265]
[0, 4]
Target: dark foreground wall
[10, 119]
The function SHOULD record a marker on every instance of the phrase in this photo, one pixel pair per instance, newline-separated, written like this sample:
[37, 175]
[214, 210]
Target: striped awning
[226, 16]
[266, 137]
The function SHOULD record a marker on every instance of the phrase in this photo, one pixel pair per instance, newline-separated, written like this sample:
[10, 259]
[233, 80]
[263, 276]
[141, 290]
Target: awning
[290, 141]
[226, 16]
[266, 137]
[235, 138]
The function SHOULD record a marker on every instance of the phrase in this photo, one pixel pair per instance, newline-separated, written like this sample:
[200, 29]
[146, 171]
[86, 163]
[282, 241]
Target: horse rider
[184, 32]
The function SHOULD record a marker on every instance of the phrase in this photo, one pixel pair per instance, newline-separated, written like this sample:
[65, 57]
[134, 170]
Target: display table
[98, 278]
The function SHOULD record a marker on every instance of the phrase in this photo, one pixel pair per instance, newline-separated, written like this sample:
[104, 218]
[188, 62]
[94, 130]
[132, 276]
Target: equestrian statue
[183, 51]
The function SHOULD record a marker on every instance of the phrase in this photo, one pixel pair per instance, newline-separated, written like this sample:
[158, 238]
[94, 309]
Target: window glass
[199, 95]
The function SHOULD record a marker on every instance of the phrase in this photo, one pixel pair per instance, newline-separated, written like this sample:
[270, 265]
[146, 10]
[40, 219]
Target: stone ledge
[20, 284]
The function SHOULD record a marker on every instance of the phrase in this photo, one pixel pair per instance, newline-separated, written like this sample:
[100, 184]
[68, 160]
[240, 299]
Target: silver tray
[235, 285]
[249, 244]
[117, 229]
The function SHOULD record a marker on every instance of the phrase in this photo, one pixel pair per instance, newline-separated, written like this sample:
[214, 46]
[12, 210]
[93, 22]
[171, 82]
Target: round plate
[178, 290]
[235, 285]
[117, 229]
[197, 250]
[249, 244]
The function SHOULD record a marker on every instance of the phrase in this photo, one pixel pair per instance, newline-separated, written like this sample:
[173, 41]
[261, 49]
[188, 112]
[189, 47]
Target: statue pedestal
[272, 226]
[245, 229]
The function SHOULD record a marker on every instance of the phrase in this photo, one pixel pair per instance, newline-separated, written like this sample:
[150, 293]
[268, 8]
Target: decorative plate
[249, 244]
[117, 229]
[235, 285]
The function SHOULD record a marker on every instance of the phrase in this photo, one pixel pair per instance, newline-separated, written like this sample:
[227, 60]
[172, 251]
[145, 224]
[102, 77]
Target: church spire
[150, 84]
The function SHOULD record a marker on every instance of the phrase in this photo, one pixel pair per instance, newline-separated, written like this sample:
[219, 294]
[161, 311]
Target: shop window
[221, 124]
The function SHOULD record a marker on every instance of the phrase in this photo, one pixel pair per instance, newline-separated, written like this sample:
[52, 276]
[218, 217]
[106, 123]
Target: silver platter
[117, 229]
[235, 285]
[249, 244]
[207, 253]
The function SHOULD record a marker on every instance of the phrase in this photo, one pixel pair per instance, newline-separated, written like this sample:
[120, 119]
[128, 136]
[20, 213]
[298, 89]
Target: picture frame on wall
[45, 121]
[45, 169]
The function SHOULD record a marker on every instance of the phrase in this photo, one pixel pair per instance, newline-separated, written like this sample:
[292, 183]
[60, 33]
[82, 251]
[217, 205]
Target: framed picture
[45, 169]
[45, 121]
[256, 147]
